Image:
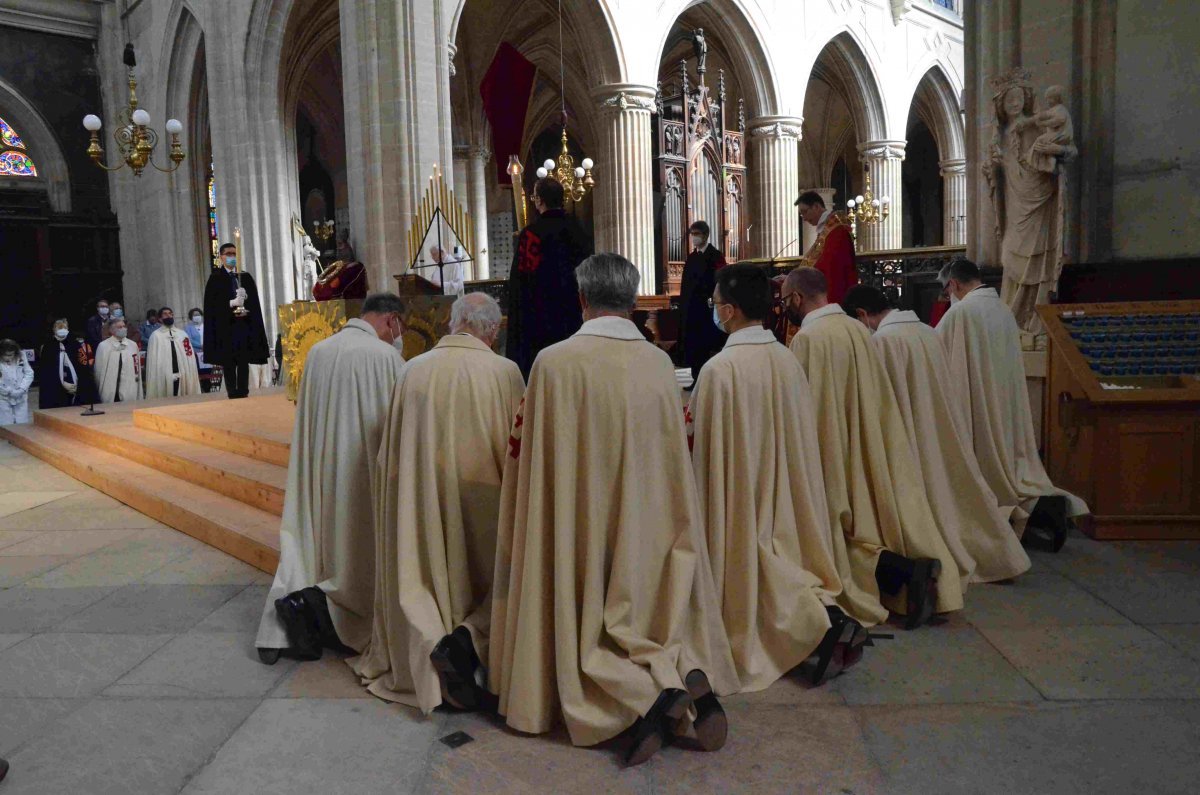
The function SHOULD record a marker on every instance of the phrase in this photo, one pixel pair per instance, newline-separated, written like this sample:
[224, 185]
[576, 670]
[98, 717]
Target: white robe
[327, 535]
[975, 530]
[983, 345]
[441, 463]
[15, 380]
[159, 375]
[113, 355]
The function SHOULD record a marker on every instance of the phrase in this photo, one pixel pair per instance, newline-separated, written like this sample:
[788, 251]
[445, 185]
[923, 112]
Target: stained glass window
[12, 162]
[212, 214]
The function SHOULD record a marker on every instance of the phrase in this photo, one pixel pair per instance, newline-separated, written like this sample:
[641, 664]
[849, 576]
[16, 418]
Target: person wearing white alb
[16, 376]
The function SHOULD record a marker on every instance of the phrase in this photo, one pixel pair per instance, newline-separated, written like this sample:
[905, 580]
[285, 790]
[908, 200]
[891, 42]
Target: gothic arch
[41, 144]
[935, 102]
[843, 64]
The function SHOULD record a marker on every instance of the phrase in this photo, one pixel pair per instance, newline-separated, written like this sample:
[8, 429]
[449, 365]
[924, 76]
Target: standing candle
[237, 241]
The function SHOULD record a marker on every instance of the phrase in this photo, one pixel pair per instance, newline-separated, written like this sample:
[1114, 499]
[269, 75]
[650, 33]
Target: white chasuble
[762, 497]
[327, 535]
[603, 593]
[161, 368]
[983, 346]
[118, 370]
[872, 481]
[974, 528]
[444, 445]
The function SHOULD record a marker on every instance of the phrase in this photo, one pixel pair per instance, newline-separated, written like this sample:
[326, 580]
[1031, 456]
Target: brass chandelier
[576, 180]
[134, 136]
[865, 208]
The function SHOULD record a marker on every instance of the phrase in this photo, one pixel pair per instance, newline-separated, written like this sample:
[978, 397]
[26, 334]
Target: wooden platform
[210, 467]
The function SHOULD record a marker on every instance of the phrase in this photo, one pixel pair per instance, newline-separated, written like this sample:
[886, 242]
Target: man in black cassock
[699, 335]
[231, 340]
[543, 298]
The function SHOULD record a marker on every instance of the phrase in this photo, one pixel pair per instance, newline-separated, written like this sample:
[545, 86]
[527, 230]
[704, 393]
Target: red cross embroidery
[187, 346]
[514, 439]
[530, 250]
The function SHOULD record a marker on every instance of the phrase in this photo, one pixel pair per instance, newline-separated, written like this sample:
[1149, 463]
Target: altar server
[16, 377]
[603, 607]
[444, 444]
[884, 535]
[762, 497]
[983, 344]
[324, 589]
[171, 369]
[118, 365]
[977, 533]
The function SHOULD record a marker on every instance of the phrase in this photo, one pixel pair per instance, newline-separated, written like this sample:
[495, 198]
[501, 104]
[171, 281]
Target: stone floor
[126, 666]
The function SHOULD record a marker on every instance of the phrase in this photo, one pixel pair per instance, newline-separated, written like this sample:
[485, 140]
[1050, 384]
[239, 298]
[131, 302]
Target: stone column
[624, 189]
[478, 208]
[883, 158]
[775, 177]
[954, 201]
[808, 231]
[397, 100]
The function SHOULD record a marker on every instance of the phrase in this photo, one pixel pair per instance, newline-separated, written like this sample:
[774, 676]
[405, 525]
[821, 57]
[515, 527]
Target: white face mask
[102, 311]
[120, 333]
[697, 241]
[198, 319]
[61, 333]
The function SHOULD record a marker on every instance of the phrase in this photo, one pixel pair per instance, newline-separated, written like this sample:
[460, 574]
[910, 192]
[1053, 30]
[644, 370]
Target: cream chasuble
[974, 528]
[983, 346]
[159, 368]
[758, 475]
[443, 452]
[603, 594]
[327, 535]
[113, 357]
[872, 482]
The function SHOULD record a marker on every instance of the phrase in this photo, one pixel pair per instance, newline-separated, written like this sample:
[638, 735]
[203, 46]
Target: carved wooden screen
[699, 174]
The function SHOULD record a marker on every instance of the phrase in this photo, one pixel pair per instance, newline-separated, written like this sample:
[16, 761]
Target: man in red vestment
[832, 253]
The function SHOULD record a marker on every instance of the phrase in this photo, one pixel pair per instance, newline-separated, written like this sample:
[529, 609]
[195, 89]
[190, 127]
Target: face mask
[61, 333]
[197, 319]
[102, 311]
[230, 262]
[120, 333]
[697, 242]
[717, 319]
[118, 313]
[168, 321]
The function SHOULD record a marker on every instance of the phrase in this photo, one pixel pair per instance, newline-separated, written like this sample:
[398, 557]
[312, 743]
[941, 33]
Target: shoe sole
[291, 619]
[833, 661]
[653, 742]
[858, 646]
[455, 691]
[711, 724]
[928, 605]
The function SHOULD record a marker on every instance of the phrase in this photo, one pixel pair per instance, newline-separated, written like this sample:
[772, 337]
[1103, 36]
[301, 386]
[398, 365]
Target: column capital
[625, 97]
[479, 152]
[953, 165]
[777, 127]
[881, 150]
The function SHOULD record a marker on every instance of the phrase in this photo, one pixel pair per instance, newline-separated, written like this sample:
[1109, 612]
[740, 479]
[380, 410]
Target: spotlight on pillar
[134, 137]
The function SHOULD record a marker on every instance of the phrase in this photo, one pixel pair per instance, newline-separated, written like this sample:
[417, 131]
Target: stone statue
[312, 265]
[1027, 186]
[700, 47]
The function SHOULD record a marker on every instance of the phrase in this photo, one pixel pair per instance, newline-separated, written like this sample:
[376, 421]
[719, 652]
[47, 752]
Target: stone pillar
[394, 136]
[808, 231]
[954, 201]
[883, 158]
[624, 189]
[775, 177]
[478, 208]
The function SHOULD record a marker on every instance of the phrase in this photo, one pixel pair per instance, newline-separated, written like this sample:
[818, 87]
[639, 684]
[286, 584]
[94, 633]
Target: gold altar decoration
[303, 324]
[439, 202]
[865, 208]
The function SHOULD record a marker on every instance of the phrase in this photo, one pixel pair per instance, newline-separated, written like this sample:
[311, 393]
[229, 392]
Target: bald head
[804, 290]
[476, 314]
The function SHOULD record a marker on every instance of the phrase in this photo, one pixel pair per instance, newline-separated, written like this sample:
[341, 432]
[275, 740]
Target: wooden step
[259, 427]
[243, 531]
[244, 479]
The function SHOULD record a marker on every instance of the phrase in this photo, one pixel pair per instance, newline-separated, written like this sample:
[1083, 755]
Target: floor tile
[321, 745]
[71, 666]
[328, 677]
[1037, 598]
[1036, 748]
[13, 639]
[39, 609]
[931, 665]
[206, 566]
[25, 719]
[89, 510]
[1160, 597]
[150, 609]
[1185, 637]
[123, 746]
[1097, 662]
[16, 501]
[17, 570]
[793, 689]
[209, 664]
[122, 563]
[10, 537]
[242, 613]
[67, 542]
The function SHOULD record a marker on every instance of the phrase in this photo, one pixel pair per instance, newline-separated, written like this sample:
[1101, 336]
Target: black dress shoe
[3, 768]
[922, 591]
[300, 626]
[711, 724]
[656, 728]
[318, 607]
[268, 656]
[1047, 526]
[457, 666]
[832, 656]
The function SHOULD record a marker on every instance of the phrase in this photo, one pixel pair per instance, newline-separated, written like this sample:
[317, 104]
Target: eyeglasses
[712, 303]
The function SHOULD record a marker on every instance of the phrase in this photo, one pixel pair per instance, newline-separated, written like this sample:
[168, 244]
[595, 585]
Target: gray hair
[960, 269]
[383, 304]
[476, 313]
[112, 321]
[608, 282]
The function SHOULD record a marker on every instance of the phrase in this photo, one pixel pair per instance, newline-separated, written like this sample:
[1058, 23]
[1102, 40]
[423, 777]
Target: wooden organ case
[1122, 414]
[699, 174]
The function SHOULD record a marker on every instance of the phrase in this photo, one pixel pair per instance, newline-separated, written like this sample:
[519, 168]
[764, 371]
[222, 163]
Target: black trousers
[237, 377]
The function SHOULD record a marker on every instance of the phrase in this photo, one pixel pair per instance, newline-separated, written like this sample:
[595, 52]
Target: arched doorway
[939, 164]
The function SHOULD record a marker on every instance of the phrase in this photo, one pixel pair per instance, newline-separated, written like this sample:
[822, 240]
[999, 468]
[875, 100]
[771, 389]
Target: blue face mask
[717, 319]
